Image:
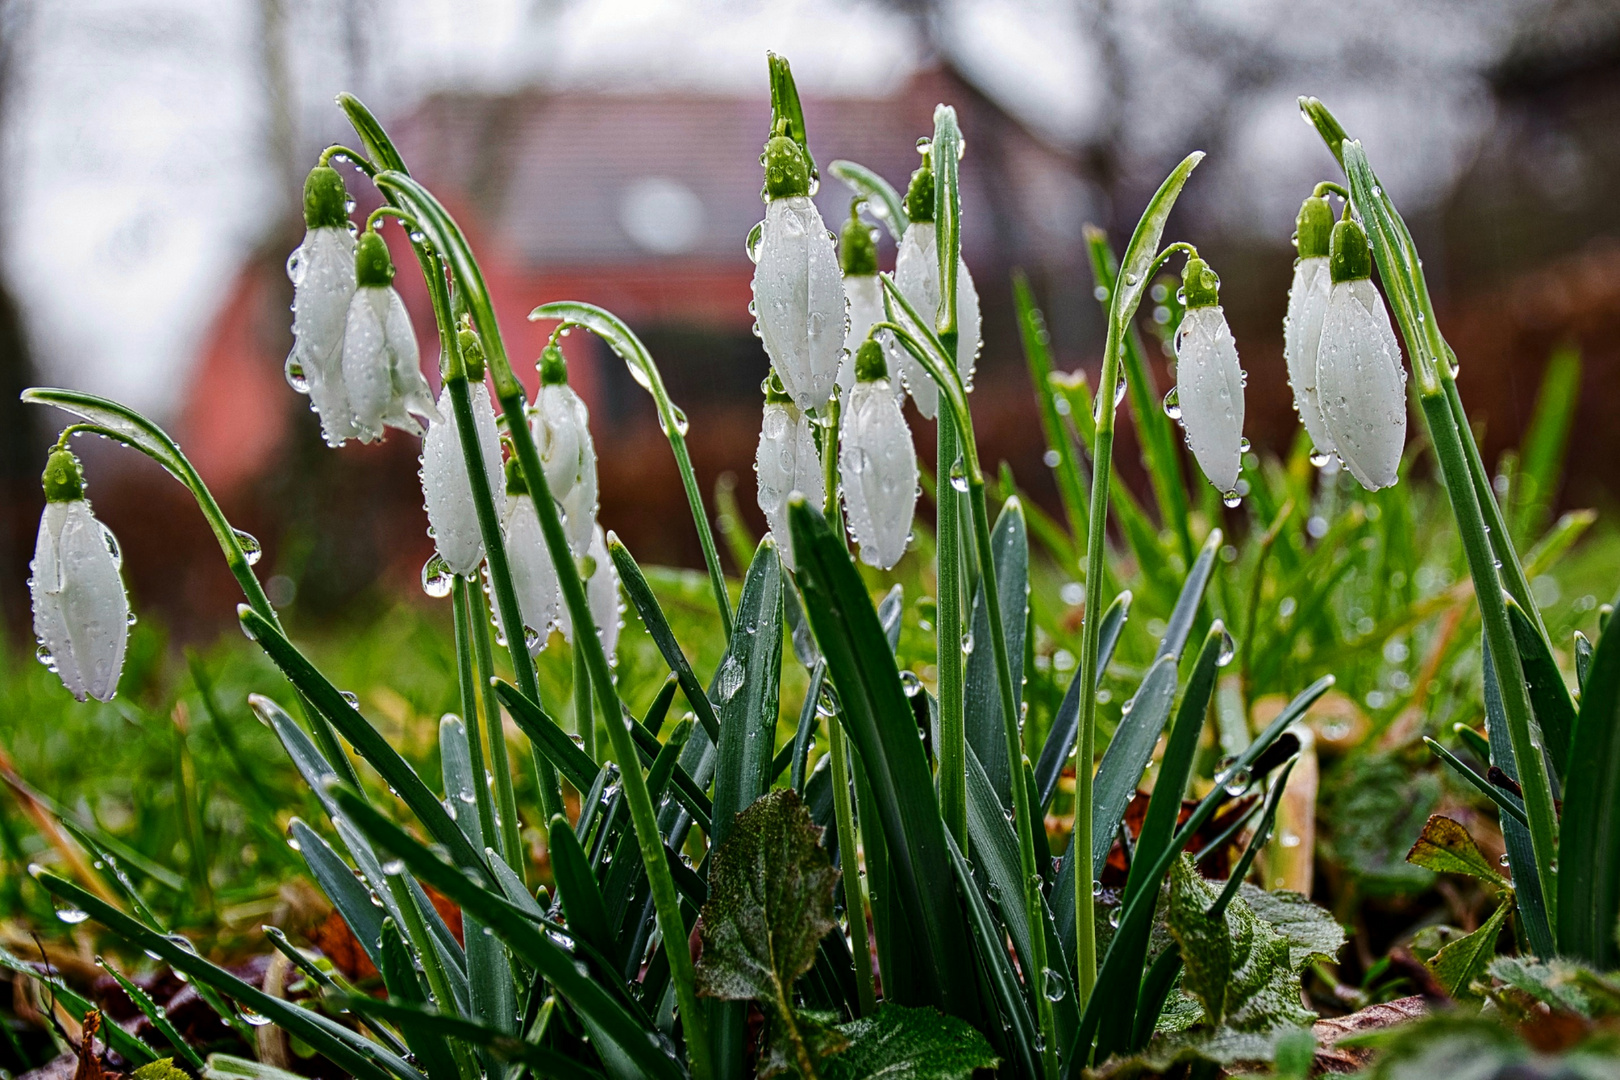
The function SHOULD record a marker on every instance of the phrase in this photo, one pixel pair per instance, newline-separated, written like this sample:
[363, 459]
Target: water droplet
[1132, 279]
[1113, 918]
[43, 655]
[437, 579]
[1172, 403]
[131, 619]
[1319, 459]
[71, 915]
[1096, 888]
[910, 683]
[1052, 985]
[393, 866]
[253, 1018]
[296, 377]
[1101, 293]
[751, 246]
[1228, 649]
[959, 479]
[1052, 459]
[995, 893]
[1503, 859]
[1243, 446]
[1231, 499]
[351, 697]
[1289, 840]
[967, 643]
[1236, 782]
[728, 681]
[251, 548]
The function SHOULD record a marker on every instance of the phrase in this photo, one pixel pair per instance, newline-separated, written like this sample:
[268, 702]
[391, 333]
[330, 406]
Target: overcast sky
[137, 142]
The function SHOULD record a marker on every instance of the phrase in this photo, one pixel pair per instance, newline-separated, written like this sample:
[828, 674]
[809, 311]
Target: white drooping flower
[322, 273]
[534, 573]
[1359, 376]
[877, 463]
[560, 423]
[798, 291]
[857, 255]
[602, 593]
[1302, 326]
[446, 483]
[916, 275]
[81, 612]
[382, 370]
[1209, 380]
[786, 462]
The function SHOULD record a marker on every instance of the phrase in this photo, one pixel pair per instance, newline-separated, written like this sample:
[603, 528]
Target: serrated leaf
[1446, 848]
[897, 1043]
[770, 903]
[1460, 964]
[1310, 929]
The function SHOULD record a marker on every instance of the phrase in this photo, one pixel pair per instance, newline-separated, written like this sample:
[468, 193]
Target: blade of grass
[155, 1013]
[985, 727]
[882, 199]
[1589, 852]
[1505, 802]
[1015, 1037]
[399, 973]
[1549, 697]
[642, 599]
[502, 1045]
[127, 1045]
[1546, 441]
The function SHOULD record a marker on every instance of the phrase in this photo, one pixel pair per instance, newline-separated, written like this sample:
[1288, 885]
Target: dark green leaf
[581, 898]
[1589, 848]
[399, 974]
[897, 1043]
[770, 903]
[652, 617]
[1311, 930]
[346, 892]
[415, 1016]
[1018, 1033]
[1066, 722]
[981, 694]
[1446, 848]
[1533, 905]
[1465, 961]
[1510, 805]
[1185, 614]
[155, 1013]
[1128, 754]
[77, 1005]
[748, 685]
[1549, 697]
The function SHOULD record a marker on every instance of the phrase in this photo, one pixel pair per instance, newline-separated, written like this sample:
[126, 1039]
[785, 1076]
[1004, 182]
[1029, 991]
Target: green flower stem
[831, 506]
[1538, 801]
[355, 157]
[584, 723]
[948, 637]
[854, 907]
[610, 329]
[511, 839]
[466, 673]
[416, 931]
[935, 359]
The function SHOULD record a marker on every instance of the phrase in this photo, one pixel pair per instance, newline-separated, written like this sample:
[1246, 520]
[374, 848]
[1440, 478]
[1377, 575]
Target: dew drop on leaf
[251, 548]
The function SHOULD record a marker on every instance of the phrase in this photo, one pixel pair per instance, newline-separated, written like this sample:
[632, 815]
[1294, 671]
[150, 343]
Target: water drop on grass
[72, 916]
[1237, 782]
[1052, 985]
[1503, 859]
[1228, 649]
[251, 548]
[1113, 918]
[729, 681]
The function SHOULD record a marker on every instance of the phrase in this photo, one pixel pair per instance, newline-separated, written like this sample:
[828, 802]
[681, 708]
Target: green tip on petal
[1200, 285]
[1313, 227]
[857, 251]
[775, 393]
[326, 200]
[869, 362]
[920, 195]
[787, 173]
[472, 353]
[372, 266]
[553, 368]
[515, 483]
[1350, 258]
[64, 478]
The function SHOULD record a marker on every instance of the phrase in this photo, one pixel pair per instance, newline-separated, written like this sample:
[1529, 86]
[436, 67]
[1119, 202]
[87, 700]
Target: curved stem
[1328, 185]
[354, 157]
[466, 673]
[389, 210]
[1164, 256]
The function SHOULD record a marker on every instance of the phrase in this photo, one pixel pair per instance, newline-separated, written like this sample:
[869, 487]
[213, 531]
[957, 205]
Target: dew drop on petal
[437, 579]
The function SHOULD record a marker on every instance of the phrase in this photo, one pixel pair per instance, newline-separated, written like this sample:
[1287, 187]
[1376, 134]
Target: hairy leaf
[897, 1043]
[1446, 848]
[1310, 929]
[770, 903]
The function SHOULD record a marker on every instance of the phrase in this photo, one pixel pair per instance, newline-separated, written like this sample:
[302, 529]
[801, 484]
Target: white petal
[865, 294]
[446, 488]
[602, 592]
[409, 393]
[1362, 384]
[560, 423]
[786, 462]
[799, 300]
[366, 368]
[1209, 384]
[878, 466]
[1302, 333]
[916, 274]
[322, 271]
[534, 574]
[81, 612]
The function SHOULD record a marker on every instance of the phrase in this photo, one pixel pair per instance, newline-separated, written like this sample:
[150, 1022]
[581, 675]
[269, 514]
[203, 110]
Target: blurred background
[152, 153]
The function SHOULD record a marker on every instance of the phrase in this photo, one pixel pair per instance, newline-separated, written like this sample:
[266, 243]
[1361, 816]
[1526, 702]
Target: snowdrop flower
[322, 273]
[798, 292]
[446, 484]
[1359, 376]
[785, 462]
[81, 612]
[534, 574]
[602, 591]
[916, 275]
[562, 433]
[877, 463]
[1302, 326]
[1209, 382]
[382, 371]
[857, 254]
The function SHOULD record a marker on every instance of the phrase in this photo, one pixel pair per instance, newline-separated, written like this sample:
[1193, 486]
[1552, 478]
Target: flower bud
[799, 299]
[382, 372]
[81, 612]
[323, 275]
[326, 200]
[472, 353]
[916, 275]
[857, 248]
[1359, 377]
[920, 192]
[1302, 325]
[787, 173]
[447, 486]
[534, 574]
[1209, 379]
[560, 423]
[602, 593]
[786, 461]
[877, 464]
